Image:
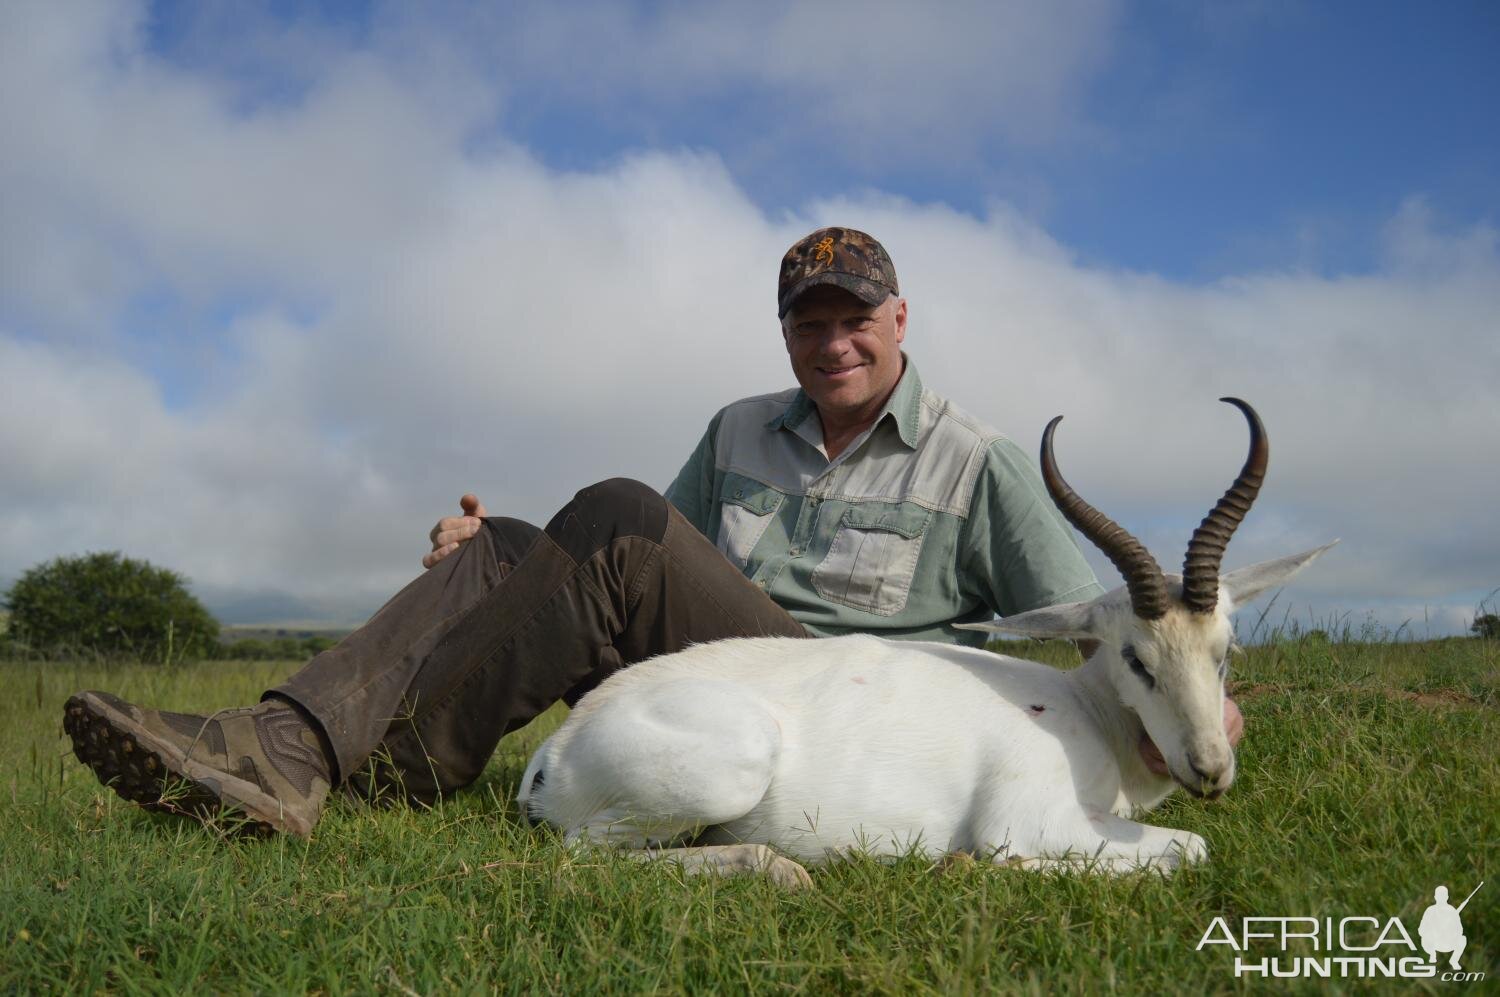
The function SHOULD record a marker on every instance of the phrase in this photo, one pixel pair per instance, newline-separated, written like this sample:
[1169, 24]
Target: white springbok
[818, 747]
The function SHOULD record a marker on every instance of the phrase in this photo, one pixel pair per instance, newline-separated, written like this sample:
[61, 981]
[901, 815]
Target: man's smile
[838, 372]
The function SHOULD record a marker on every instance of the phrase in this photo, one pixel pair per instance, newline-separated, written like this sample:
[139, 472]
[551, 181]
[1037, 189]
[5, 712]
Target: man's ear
[900, 320]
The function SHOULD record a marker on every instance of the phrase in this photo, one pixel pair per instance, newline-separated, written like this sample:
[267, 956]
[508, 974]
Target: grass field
[1369, 775]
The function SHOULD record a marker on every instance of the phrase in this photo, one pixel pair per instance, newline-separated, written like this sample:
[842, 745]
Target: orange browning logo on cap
[824, 248]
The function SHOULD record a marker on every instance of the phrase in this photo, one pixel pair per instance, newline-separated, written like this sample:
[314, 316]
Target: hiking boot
[263, 761]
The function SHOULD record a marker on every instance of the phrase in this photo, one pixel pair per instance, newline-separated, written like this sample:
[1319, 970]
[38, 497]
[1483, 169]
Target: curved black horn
[1143, 577]
[1200, 569]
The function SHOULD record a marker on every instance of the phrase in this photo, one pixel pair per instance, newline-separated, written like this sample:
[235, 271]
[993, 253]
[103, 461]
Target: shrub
[1486, 625]
[109, 605]
[246, 649]
[316, 645]
[280, 648]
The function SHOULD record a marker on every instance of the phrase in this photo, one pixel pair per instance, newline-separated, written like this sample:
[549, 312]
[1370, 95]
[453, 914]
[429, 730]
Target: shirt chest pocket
[873, 557]
[746, 507]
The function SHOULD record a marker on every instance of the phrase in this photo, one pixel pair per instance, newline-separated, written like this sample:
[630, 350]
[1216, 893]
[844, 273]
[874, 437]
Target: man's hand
[451, 531]
[1234, 729]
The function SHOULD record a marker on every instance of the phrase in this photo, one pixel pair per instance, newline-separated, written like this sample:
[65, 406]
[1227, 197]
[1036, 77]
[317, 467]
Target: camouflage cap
[842, 257]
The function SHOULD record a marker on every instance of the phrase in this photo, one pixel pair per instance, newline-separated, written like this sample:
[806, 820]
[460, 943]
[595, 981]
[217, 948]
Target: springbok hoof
[958, 862]
[789, 875]
[779, 869]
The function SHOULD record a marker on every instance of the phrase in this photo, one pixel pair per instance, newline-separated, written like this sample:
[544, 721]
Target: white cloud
[849, 70]
[414, 318]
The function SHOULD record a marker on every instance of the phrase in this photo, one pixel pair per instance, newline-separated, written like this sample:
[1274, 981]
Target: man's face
[846, 354]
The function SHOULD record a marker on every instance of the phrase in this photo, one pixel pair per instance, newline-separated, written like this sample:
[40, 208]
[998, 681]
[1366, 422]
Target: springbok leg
[732, 860]
[1110, 844]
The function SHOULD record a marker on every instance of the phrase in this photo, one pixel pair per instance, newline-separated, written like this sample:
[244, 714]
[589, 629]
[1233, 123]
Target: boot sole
[144, 769]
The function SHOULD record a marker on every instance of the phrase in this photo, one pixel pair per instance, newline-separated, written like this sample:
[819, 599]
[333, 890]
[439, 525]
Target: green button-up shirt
[928, 519]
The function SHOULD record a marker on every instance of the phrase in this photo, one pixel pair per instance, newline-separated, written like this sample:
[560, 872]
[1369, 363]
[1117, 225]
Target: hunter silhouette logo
[1441, 930]
[1356, 946]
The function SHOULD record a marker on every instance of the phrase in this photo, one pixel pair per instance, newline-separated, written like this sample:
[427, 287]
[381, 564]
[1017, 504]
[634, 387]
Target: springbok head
[1165, 638]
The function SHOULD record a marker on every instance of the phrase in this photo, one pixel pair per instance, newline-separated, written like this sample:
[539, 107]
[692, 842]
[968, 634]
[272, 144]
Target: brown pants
[514, 620]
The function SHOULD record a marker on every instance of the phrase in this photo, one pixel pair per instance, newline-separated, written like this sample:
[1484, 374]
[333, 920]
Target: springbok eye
[1136, 666]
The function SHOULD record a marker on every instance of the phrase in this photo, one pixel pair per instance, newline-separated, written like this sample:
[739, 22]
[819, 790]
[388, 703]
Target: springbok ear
[1067, 620]
[1244, 584]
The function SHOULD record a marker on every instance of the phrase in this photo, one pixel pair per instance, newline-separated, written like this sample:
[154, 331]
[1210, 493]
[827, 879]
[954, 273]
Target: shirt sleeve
[1017, 552]
[692, 491]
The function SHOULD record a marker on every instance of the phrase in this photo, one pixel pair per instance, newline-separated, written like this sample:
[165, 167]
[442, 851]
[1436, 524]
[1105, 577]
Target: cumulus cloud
[371, 313]
[847, 68]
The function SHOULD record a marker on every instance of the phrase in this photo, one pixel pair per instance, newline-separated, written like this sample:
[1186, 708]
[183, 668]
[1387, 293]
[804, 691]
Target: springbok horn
[1200, 569]
[1143, 577]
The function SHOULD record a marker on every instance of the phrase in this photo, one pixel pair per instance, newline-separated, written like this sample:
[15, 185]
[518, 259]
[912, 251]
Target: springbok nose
[1214, 777]
[1204, 774]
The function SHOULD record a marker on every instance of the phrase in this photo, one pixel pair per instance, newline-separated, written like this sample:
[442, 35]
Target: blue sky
[1210, 140]
[1309, 123]
[1203, 139]
[316, 270]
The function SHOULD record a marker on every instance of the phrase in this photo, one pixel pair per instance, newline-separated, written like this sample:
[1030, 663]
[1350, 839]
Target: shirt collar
[904, 407]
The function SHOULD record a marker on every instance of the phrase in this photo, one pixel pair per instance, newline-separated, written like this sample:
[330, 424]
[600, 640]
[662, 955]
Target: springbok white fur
[819, 747]
[816, 747]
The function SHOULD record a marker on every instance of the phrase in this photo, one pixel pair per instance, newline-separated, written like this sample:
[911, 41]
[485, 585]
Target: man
[857, 502]
[1441, 929]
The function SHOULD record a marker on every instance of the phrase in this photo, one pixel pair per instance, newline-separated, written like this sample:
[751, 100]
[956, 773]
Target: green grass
[1369, 775]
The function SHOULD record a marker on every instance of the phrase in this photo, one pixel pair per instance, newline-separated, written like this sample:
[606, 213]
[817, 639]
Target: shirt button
[795, 551]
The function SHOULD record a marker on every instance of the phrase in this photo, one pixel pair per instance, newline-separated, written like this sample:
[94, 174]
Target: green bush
[1486, 625]
[246, 649]
[313, 646]
[112, 606]
[280, 648]
[8, 647]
